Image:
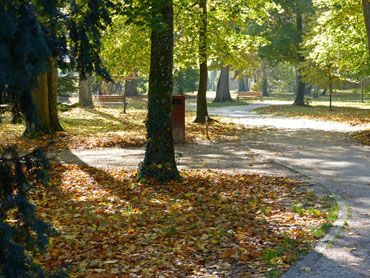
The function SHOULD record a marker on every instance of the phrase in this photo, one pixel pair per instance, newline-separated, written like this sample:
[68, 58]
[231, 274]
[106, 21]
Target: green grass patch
[321, 231]
[228, 103]
[344, 97]
[350, 115]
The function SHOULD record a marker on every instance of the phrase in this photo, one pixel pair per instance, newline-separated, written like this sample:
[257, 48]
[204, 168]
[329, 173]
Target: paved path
[322, 151]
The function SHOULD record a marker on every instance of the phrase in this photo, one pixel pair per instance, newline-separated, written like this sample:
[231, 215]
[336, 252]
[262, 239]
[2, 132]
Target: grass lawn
[108, 224]
[228, 103]
[340, 99]
[351, 115]
[101, 127]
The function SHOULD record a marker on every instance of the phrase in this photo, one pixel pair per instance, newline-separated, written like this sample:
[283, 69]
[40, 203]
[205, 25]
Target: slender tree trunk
[242, 87]
[299, 98]
[36, 107]
[202, 111]
[330, 96]
[247, 89]
[213, 80]
[264, 87]
[180, 82]
[223, 86]
[308, 90]
[159, 162]
[131, 87]
[264, 81]
[53, 94]
[17, 115]
[366, 6]
[362, 90]
[85, 92]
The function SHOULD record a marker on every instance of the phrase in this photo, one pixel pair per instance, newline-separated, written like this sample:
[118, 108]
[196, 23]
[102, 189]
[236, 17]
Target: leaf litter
[209, 224]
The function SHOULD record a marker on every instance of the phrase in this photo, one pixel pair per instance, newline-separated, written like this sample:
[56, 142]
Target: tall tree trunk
[242, 87]
[308, 90]
[366, 6]
[159, 162]
[330, 95]
[264, 81]
[299, 97]
[180, 82]
[202, 111]
[85, 92]
[36, 107]
[265, 92]
[17, 115]
[223, 86]
[247, 89]
[53, 94]
[131, 87]
[213, 80]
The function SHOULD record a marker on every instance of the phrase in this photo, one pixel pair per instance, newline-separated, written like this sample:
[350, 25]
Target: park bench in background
[249, 95]
[106, 99]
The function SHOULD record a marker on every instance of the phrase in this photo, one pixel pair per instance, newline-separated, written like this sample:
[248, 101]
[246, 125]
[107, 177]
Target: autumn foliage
[210, 223]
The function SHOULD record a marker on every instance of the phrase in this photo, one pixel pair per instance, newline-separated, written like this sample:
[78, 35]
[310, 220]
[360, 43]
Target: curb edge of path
[298, 269]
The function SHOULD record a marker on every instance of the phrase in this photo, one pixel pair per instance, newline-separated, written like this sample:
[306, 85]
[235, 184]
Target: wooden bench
[114, 98]
[250, 95]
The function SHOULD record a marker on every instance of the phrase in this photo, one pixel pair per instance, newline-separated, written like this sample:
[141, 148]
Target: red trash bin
[178, 119]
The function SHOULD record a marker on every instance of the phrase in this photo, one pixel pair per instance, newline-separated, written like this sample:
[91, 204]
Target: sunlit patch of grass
[321, 231]
[342, 98]
[228, 103]
[354, 116]
[108, 126]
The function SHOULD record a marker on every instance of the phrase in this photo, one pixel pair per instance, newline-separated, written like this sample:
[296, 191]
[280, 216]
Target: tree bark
[366, 7]
[202, 111]
[53, 94]
[36, 107]
[131, 87]
[330, 96]
[85, 92]
[223, 86]
[264, 87]
[308, 90]
[159, 162]
[213, 80]
[242, 86]
[299, 97]
[247, 89]
[264, 81]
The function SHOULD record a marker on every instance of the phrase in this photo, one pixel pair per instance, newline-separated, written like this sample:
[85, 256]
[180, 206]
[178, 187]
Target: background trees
[336, 48]
[37, 37]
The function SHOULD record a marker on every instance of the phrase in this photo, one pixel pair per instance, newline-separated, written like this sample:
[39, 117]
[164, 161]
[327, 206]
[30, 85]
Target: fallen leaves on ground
[353, 116]
[102, 127]
[363, 137]
[208, 225]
